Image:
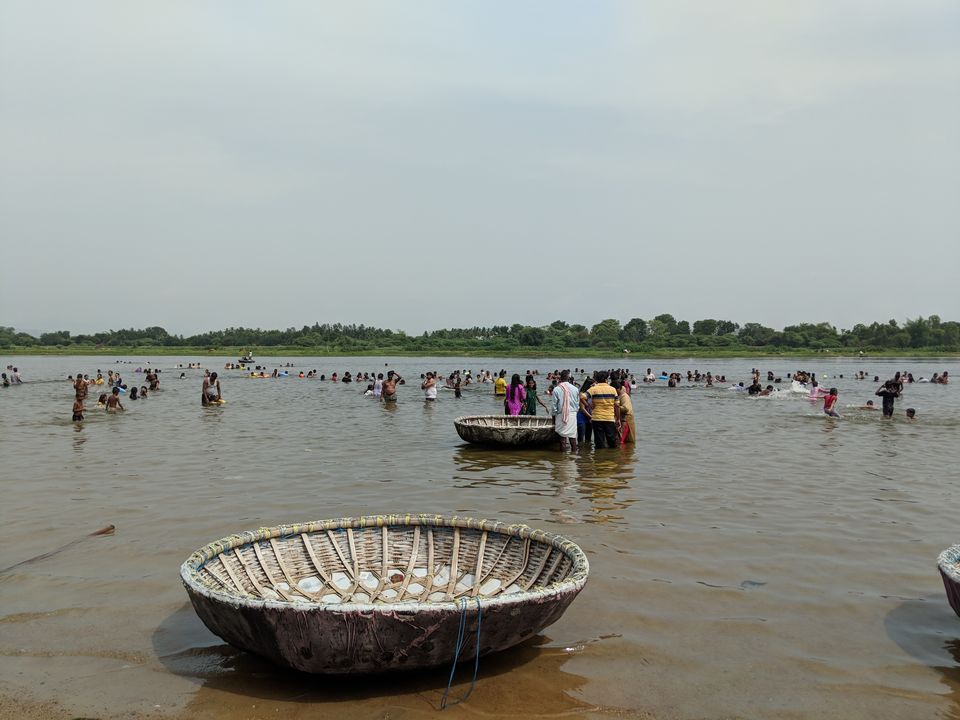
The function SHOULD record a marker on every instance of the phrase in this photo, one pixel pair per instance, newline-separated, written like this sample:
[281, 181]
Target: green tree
[705, 327]
[634, 331]
[605, 331]
[532, 336]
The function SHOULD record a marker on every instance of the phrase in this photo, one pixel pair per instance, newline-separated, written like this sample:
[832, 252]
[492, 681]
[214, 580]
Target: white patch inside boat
[490, 586]
[310, 584]
[341, 580]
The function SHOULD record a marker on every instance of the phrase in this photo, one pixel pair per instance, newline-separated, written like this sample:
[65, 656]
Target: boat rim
[547, 420]
[947, 562]
[573, 583]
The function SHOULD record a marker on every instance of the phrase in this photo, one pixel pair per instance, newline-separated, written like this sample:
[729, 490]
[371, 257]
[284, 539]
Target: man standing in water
[390, 387]
[210, 392]
[565, 401]
[429, 387]
[889, 391]
[80, 387]
[605, 413]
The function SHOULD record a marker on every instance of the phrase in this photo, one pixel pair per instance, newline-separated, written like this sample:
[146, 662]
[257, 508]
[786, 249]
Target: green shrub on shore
[663, 336]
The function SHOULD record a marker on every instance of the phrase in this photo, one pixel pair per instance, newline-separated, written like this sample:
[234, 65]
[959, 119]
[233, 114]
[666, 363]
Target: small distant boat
[509, 430]
[386, 592]
[949, 564]
[246, 359]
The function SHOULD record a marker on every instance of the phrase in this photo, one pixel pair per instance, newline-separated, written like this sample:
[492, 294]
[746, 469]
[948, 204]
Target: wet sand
[750, 558]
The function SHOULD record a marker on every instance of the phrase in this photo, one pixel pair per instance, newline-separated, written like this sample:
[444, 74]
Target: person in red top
[830, 402]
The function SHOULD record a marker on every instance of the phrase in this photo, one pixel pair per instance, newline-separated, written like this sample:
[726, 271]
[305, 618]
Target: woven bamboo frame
[949, 564]
[377, 559]
[515, 430]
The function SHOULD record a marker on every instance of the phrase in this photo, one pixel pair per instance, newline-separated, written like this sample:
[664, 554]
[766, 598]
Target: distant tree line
[636, 335]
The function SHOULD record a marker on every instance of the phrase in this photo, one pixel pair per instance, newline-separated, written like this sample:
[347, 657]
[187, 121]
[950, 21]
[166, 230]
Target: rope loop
[461, 642]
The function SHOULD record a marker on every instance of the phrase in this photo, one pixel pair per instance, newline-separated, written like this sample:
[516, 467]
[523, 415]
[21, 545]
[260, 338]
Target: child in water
[78, 410]
[829, 403]
[102, 400]
[113, 401]
[911, 414]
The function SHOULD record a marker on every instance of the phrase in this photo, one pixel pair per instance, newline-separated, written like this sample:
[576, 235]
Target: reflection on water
[506, 683]
[602, 478]
[753, 550]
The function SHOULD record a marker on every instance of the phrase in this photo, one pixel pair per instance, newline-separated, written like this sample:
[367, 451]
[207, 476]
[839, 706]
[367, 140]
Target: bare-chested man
[80, 386]
[113, 401]
[390, 387]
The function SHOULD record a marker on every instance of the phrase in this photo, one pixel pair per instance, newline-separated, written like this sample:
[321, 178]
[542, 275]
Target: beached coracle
[515, 430]
[949, 564]
[379, 593]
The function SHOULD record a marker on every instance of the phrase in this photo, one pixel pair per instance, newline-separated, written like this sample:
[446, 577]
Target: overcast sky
[419, 165]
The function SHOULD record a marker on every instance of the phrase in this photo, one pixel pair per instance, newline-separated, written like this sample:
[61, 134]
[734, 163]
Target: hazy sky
[420, 165]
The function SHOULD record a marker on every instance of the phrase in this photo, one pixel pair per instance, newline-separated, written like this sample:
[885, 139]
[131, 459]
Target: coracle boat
[949, 564]
[515, 430]
[380, 593]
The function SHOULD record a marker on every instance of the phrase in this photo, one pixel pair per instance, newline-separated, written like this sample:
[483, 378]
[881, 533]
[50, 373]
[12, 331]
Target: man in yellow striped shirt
[605, 413]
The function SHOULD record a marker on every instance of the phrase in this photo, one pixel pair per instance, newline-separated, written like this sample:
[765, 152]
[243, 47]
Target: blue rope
[461, 637]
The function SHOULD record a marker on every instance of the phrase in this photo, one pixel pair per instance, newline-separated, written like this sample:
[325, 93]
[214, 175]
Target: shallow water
[750, 557]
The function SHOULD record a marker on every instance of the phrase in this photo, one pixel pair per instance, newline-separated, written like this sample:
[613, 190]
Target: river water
[749, 558]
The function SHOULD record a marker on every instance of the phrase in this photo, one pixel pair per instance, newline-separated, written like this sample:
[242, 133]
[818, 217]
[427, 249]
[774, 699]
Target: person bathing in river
[830, 403]
[516, 396]
[78, 409]
[429, 387]
[390, 387]
[564, 406]
[500, 386]
[210, 391]
[889, 391]
[628, 424]
[113, 401]
[530, 405]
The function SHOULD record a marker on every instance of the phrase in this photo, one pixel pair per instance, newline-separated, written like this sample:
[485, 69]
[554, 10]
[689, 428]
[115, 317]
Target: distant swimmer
[911, 414]
[830, 403]
[113, 401]
[869, 406]
[210, 392]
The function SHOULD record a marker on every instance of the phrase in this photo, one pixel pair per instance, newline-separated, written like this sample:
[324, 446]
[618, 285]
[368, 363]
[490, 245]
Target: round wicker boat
[514, 430]
[949, 564]
[378, 593]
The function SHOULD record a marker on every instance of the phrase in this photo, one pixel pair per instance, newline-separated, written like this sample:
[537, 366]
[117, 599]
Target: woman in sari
[628, 424]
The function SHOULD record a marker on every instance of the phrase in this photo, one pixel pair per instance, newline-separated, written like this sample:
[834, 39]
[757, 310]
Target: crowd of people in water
[110, 401]
[586, 406]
